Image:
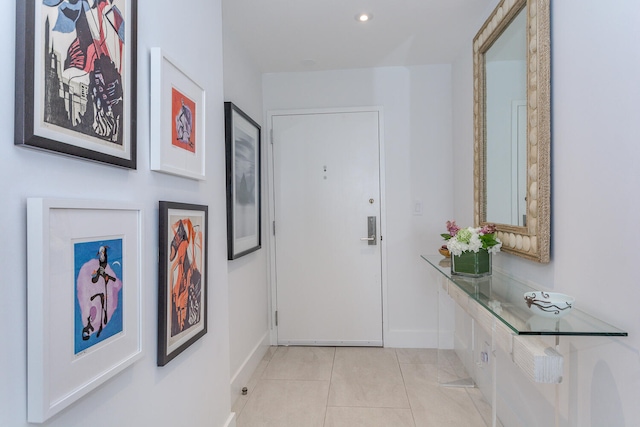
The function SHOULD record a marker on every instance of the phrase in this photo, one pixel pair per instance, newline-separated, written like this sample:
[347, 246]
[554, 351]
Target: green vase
[472, 264]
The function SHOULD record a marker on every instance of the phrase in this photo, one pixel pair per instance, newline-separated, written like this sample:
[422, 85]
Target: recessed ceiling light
[364, 17]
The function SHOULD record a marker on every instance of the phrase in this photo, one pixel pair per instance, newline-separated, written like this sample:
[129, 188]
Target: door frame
[270, 238]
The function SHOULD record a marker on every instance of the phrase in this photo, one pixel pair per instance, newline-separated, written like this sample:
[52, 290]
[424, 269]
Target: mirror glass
[506, 125]
[512, 126]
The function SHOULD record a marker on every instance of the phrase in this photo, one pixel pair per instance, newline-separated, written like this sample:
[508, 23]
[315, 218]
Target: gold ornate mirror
[512, 126]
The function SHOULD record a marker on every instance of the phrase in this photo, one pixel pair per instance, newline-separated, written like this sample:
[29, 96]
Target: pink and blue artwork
[98, 292]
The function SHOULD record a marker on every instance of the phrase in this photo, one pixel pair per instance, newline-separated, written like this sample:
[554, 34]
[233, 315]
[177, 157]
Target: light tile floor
[355, 386]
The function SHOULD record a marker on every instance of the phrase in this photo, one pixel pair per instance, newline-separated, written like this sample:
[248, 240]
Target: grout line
[326, 406]
[261, 382]
[478, 410]
[258, 380]
[404, 383]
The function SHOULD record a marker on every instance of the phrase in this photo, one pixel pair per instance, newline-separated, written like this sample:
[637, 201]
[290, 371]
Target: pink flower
[488, 229]
[452, 228]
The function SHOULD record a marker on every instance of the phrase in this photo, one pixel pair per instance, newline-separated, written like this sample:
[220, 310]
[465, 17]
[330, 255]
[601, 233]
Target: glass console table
[495, 304]
[503, 297]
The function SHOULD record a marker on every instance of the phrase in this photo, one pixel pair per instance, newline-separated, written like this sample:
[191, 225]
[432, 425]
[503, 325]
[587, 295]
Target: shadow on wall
[606, 405]
[602, 380]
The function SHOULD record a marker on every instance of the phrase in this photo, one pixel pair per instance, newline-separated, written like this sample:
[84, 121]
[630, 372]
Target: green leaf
[488, 240]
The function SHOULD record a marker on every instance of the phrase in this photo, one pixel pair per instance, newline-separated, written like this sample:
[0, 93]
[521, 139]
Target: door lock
[371, 231]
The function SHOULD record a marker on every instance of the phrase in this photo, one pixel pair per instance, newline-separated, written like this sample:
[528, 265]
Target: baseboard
[242, 376]
[397, 338]
[231, 421]
[331, 343]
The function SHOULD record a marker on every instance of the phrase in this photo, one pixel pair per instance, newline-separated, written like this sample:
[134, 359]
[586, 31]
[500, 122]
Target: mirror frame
[533, 240]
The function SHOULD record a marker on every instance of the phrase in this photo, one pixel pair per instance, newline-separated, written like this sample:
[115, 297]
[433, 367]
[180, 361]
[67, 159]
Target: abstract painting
[84, 298]
[242, 136]
[76, 78]
[183, 111]
[182, 304]
[177, 119]
[98, 292]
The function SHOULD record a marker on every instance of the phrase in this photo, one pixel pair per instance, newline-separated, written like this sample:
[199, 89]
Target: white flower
[469, 240]
[455, 247]
[495, 249]
[475, 243]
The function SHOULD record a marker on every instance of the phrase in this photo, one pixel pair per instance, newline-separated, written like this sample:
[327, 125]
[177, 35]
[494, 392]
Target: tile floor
[355, 386]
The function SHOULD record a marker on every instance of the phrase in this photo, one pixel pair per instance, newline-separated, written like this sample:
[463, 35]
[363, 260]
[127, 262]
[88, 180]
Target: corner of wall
[243, 375]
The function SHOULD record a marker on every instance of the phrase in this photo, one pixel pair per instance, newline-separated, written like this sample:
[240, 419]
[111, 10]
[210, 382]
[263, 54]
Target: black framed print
[244, 227]
[182, 291]
[76, 78]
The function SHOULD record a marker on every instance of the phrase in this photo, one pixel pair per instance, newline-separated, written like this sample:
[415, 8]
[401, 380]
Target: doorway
[328, 229]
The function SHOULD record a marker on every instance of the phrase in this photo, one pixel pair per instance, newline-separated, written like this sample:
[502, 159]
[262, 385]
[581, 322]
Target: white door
[328, 264]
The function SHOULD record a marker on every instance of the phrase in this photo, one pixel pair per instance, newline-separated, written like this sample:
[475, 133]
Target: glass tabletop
[504, 297]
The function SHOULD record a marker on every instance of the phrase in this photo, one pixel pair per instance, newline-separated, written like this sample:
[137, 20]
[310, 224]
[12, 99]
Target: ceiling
[309, 35]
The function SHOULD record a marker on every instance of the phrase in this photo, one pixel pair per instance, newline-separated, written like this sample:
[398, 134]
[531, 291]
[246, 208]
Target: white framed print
[84, 298]
[177, 119]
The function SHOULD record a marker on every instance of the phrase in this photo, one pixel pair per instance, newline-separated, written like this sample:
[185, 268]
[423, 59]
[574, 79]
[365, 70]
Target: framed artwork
[244, 226]
[182, 293]
[177, 119]
[76, 78]
[84, 298]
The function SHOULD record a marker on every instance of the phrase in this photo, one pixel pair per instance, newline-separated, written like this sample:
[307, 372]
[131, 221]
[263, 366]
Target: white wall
[595, 188]
[248, 287]
[193, 389]
[416, 105]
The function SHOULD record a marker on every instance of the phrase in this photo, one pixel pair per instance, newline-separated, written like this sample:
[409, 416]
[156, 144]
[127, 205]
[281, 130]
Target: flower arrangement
[471, 239]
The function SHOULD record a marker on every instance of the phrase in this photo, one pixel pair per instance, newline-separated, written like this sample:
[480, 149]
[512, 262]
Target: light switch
[417, 207]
